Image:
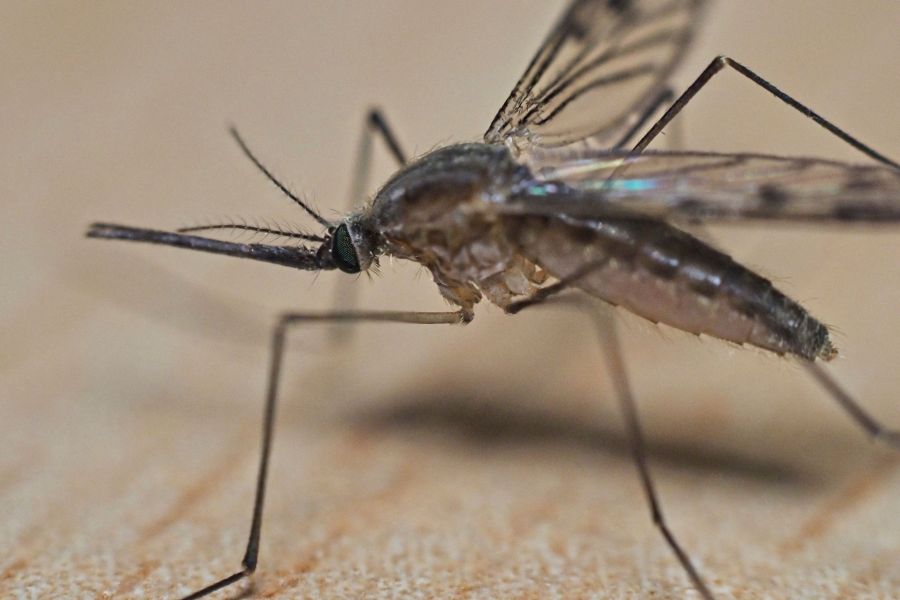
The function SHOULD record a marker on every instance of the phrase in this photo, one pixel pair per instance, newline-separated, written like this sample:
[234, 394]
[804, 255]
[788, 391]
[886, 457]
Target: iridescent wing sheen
[603, 65]
[699, 187]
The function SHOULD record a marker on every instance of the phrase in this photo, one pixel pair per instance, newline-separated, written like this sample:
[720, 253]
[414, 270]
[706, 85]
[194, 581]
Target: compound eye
[343, 251]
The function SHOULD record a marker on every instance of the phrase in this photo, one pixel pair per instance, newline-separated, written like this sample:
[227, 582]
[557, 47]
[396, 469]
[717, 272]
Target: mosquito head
[346, 245]
[349, 247]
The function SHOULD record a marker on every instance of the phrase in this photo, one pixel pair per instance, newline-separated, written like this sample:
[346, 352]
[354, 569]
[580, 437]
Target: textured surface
[477, 462]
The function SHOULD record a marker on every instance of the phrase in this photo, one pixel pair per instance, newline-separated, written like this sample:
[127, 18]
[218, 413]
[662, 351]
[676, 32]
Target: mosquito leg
[537, 297]
[375, 123]
[675, 137]
[346, 295]
[856, 412]
[719, 63]
[664, 98]
[869, 423]
[612, 349]
[542, 294]
[248, 564]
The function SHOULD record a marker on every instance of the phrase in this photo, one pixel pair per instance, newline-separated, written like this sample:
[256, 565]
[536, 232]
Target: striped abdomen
[667, 276]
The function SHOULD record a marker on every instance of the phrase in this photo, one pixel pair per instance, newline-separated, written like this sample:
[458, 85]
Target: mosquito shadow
[495, 426]
[166, 297]
[247, 592]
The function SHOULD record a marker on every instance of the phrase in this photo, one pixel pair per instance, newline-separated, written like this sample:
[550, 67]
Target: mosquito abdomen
[668, 276]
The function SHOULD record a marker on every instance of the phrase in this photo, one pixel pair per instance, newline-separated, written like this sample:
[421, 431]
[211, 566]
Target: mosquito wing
[603, 65]
[697, 187]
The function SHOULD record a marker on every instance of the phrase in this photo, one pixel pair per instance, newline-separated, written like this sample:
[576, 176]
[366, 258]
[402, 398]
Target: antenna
[237, 137]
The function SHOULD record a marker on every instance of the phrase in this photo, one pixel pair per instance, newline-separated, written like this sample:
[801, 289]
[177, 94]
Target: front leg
[251, 553]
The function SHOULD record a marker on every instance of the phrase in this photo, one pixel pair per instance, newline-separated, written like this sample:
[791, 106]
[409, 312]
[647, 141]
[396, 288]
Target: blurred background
[478, 462]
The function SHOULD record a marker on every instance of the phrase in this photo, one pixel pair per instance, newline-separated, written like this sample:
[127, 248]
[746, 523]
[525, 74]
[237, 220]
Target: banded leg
[251, 554]
[719, 63]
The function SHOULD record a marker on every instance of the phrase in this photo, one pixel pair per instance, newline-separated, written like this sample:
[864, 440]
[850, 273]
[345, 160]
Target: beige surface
[478, 462]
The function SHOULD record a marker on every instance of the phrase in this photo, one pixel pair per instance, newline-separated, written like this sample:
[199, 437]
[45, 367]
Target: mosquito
[563, 194]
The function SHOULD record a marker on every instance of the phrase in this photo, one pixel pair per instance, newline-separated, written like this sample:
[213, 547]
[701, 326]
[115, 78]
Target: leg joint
[374, 118]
